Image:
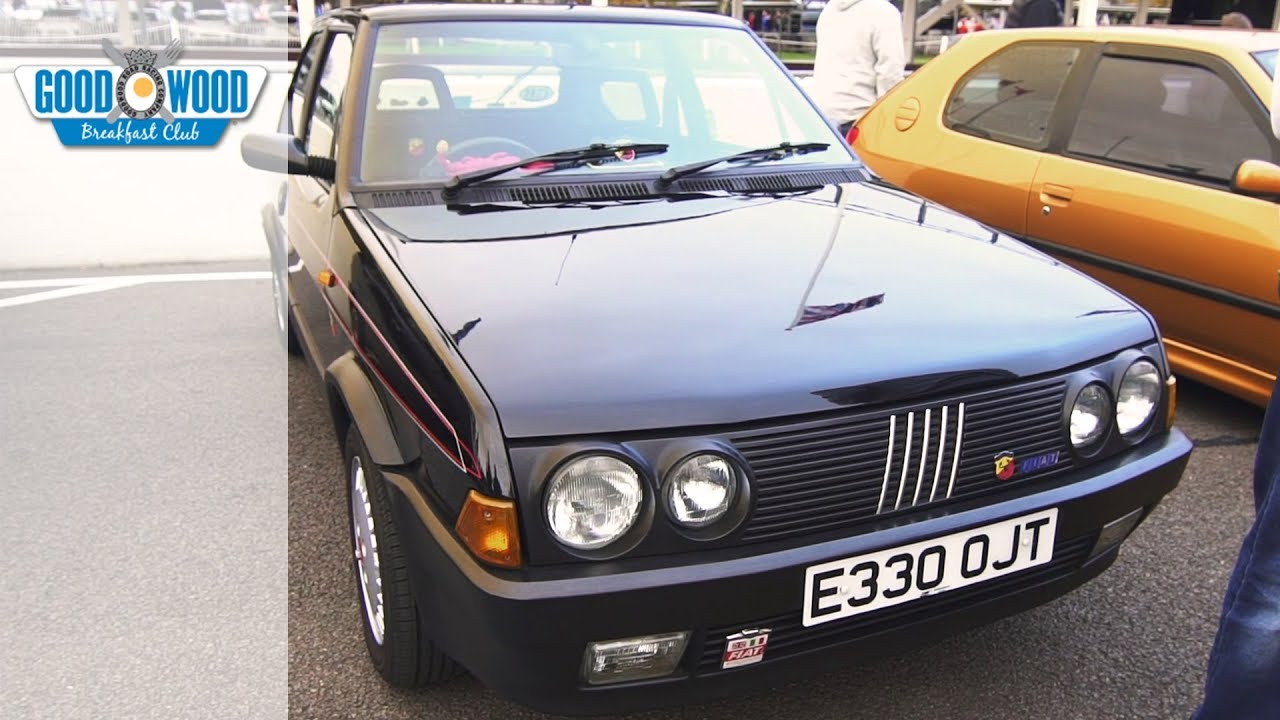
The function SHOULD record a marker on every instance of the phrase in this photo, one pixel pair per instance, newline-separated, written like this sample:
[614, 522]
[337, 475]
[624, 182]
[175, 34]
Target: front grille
[789, 636]
[835, 473]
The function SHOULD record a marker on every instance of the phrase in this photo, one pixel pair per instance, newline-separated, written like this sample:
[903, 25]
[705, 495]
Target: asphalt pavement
[144, 500]
[147, 501]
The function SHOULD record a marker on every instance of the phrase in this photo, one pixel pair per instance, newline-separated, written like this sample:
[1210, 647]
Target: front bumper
[524, 635]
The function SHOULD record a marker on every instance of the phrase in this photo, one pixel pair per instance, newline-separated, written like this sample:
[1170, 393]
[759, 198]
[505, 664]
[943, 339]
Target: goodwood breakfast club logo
[147, 98]
[140, 90]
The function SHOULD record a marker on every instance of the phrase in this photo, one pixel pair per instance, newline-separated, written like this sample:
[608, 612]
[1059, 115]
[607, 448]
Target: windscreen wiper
[559, 160]
[764, 154]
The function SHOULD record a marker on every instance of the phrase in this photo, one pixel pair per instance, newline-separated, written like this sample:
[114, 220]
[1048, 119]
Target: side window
[328, 97]
[297, 90]
[1010, 96]
[1172, 118]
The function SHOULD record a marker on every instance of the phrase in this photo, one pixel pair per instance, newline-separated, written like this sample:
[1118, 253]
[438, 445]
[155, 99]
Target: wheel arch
[354, 400]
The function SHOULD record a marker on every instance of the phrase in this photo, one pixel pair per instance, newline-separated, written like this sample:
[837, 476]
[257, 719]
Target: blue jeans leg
[1243, 677]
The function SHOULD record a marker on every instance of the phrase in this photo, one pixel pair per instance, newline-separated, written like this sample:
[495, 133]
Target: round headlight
[1139, 393]
[700, 490]
[1089, 415]
[593, 501]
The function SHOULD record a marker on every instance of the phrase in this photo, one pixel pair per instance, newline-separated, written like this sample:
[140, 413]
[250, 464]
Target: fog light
[1116, 531]
[635, 658]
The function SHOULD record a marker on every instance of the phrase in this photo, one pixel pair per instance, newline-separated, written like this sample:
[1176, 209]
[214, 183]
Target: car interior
[416, 109]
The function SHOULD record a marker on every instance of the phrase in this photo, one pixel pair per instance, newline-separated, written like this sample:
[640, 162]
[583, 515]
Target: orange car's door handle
[1055, 193]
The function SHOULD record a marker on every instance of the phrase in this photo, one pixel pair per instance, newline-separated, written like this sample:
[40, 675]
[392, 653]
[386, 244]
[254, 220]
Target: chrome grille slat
[942, 451]
[888, 463]
[955, 460]
[820, 475]
[906, 460]
[924, 455]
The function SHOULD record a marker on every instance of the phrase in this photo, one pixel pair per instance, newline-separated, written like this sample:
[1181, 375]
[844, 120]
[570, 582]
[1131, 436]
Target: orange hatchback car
[1142, 156]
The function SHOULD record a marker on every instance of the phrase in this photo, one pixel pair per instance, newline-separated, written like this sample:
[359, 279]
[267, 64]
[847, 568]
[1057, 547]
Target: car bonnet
[746, 311]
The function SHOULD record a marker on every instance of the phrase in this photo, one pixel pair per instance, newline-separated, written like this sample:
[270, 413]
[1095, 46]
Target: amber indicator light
[1171, 384]
[488, 527]
[327, 278]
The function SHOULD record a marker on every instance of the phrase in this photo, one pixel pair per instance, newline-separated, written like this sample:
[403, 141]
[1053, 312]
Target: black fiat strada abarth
[649, 392]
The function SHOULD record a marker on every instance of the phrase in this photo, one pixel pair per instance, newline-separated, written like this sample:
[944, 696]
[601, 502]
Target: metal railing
[198, 33]
[807, 43]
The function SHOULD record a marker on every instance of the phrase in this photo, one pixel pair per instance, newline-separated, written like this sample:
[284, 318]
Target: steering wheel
[459, 151]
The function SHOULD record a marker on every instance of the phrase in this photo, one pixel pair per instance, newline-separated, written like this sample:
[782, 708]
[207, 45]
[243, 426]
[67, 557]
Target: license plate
[856, 585]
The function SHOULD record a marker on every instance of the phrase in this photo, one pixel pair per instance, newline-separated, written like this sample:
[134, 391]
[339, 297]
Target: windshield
[452, 97]
[1268, 60]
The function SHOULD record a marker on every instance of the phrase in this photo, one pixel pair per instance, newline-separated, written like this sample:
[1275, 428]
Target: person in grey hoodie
[860, 55]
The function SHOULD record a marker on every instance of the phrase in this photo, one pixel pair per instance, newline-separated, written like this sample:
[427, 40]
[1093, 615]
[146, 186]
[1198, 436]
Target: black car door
[312, 203]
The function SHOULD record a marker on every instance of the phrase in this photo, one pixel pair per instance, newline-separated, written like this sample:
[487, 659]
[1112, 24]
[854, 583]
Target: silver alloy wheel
[366, 550]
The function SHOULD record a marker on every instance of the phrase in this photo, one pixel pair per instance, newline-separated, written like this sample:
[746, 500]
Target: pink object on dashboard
[471, 164]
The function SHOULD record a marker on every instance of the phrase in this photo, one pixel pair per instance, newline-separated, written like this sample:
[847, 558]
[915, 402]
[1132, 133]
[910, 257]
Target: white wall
[89, 207]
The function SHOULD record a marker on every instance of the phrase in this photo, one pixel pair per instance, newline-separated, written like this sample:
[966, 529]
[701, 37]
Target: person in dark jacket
[1034, 13]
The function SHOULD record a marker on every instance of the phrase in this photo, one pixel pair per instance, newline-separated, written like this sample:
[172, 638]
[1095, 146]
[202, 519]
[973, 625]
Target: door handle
[1056, 193]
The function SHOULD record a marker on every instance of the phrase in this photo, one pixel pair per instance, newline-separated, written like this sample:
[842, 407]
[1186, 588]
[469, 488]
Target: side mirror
[279, 152]
[1257, 177]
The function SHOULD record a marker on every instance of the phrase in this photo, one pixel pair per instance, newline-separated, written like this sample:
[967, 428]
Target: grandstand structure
[30, 24]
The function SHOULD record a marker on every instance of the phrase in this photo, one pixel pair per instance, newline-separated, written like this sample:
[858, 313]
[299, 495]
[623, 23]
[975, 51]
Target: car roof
[1169, 35]
[568, 11]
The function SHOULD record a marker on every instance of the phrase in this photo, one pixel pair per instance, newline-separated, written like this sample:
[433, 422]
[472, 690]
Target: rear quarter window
[1268, 60]
[1011, 96]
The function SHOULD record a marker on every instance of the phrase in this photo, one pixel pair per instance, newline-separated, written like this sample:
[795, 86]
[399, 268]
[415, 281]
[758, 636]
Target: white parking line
[62, 293]
[135, 279]
[71, 287]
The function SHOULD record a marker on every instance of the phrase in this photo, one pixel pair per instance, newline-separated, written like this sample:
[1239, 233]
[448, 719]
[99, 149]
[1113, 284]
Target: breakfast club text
[127, 132]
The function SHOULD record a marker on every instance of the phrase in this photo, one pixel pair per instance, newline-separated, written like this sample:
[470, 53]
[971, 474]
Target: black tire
[280, 300]
[405, 658]
[292, 344]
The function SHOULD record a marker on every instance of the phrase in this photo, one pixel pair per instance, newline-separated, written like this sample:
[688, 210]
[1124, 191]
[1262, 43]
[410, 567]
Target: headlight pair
[593, 500]
[1136, 399]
